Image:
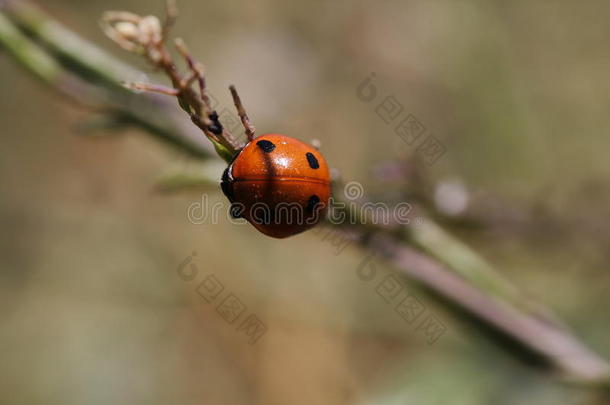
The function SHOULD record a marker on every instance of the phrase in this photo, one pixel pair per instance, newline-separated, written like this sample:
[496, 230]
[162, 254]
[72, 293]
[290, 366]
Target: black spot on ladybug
[311, 159]
[237, 210]
[266, 146]
[312, 203]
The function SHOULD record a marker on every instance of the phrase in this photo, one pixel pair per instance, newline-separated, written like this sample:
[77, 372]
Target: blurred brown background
[92, 309]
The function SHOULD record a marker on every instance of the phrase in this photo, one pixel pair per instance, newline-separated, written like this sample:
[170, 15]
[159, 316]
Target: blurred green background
[92, 309]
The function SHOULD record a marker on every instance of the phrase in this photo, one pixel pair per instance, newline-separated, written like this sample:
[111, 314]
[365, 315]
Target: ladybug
[279, 184]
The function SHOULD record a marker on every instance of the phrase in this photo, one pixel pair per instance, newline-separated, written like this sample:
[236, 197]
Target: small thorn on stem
[171, 14]
[197, 69]
[241, 111]
[153, 88]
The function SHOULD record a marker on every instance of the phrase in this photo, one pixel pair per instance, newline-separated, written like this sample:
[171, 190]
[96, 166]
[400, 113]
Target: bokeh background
[92, 309]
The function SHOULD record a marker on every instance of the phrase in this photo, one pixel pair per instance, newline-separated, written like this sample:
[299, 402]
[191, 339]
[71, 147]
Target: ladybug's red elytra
[278, 184]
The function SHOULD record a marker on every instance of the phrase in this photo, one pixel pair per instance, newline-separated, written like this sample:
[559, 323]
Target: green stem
[31, 56]
[75, 57]
[86, 57]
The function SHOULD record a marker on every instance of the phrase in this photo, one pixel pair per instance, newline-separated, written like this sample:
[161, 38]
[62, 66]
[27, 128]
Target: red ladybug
[278, 184]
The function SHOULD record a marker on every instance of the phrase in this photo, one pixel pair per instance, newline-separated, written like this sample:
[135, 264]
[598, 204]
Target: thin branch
[145, 35]
[79, 62]
[549, 341]
[427, 254]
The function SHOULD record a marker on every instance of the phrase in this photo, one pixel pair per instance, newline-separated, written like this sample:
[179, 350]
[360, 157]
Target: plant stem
[426, 253]
[532, 333]
[74, 58]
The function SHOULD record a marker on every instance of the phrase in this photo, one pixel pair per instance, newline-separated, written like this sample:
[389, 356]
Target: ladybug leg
[241, 111]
